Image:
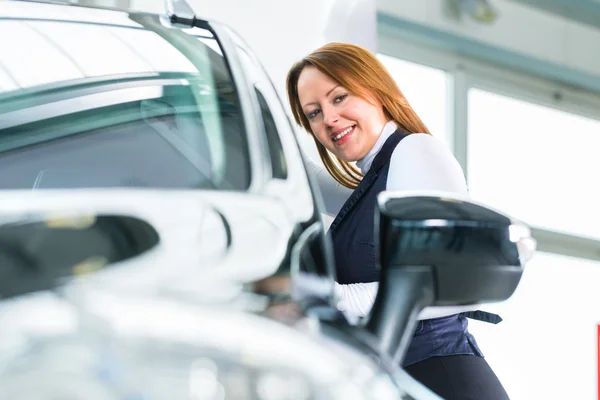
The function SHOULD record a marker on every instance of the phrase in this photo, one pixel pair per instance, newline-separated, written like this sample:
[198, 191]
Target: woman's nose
[330, 116]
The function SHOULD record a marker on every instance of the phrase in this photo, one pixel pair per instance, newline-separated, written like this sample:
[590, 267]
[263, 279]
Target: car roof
[54, 11]
[73, 41]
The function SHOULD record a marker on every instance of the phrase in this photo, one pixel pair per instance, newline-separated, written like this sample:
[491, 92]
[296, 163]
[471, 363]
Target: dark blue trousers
[461, 377]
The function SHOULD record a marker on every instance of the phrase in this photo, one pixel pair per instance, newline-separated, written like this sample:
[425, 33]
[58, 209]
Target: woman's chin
[349, 155]
[345, 157]
[348, 152]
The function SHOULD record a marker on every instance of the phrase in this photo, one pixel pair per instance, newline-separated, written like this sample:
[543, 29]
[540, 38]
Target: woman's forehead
[312, 76]
[313, 84]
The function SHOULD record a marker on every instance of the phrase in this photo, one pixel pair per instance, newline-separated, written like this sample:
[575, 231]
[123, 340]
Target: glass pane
[536, 163]
[28, 68]
[545, 348]
[152, 108]
[426, 89]
[67, 51]
[278, 163]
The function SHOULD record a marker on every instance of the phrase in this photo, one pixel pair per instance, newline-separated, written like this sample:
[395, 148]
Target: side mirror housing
[440, 250]
[39, 252]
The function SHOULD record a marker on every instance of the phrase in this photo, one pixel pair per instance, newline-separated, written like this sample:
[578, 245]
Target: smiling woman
[346, 124]
[346, 99]
[312, 89]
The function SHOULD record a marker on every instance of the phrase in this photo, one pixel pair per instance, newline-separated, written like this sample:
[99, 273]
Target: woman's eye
[340, 98]
[312, 114]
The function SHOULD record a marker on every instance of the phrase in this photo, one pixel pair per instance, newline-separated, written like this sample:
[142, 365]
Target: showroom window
[549, 326]
[529, 148]
[522, 155]
[538, 163]
[426, 90]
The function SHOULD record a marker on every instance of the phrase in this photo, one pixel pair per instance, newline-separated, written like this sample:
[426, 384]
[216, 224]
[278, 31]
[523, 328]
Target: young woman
[346, 99]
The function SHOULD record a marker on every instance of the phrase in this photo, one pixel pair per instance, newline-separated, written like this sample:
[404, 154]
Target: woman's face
[344, 123]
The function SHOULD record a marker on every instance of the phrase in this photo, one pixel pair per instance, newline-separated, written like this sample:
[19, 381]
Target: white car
[160, 236]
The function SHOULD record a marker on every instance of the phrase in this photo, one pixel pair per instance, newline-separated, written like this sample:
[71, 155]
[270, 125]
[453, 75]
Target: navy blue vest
[353, 236]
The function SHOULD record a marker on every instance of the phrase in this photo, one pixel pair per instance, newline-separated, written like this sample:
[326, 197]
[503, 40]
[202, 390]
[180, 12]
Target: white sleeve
[356, 299]
[334, 194]
[420, 162]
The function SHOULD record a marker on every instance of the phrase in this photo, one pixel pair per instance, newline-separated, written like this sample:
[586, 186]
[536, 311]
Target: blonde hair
[361, 73]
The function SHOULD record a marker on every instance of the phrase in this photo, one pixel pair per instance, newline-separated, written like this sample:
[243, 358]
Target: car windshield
[130, 105]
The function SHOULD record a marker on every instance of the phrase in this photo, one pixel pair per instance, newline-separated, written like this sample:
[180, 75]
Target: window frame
[468, 73]
[276, 152]
[296, 190]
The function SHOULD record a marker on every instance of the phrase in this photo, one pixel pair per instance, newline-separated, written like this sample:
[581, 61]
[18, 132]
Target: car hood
[156, 348]
[210, 243]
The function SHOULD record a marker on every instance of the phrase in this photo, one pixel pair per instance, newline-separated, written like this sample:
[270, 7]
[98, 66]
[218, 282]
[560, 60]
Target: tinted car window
[278, 163]
[111, 106]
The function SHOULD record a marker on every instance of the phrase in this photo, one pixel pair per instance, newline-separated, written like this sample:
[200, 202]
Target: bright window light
[426, 89]
[536, 163]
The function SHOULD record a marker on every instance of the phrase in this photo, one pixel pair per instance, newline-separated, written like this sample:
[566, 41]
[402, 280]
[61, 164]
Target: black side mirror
[435, 250]
[38, 252]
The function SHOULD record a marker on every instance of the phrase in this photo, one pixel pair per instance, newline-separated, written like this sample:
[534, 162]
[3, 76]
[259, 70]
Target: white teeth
[341, 135]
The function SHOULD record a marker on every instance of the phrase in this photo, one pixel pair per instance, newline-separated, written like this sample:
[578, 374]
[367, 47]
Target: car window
[115, 106]
[278, 163]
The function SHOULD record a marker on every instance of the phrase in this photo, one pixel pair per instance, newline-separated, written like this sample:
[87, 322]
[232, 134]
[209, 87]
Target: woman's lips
[345, 138]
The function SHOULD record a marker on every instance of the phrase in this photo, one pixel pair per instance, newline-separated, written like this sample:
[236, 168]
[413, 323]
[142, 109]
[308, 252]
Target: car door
[310, 251]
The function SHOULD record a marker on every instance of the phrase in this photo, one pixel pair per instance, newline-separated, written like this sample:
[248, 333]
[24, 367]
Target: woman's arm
[356, 299]
[420, 162]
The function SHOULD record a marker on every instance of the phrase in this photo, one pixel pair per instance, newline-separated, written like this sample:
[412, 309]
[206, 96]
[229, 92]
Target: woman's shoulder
[421, 161]
[422, 142]
[420, 137]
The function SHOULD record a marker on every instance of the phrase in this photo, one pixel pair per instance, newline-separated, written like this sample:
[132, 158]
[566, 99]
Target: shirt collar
[364, 164]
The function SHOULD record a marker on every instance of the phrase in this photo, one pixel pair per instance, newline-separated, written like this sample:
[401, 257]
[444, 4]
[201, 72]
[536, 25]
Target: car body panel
[218, 283]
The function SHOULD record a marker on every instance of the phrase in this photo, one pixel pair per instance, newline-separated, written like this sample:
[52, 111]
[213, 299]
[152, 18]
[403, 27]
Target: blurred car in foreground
[160, 236]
